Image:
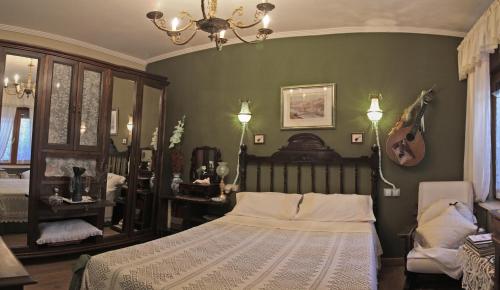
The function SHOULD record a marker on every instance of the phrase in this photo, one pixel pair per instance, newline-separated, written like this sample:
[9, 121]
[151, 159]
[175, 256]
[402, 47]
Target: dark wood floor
[57, 275]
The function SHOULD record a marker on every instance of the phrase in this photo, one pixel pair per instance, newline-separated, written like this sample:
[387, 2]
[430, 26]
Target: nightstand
[193, 211]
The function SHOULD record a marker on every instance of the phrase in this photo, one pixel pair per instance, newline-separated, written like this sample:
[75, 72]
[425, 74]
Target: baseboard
[397, 261]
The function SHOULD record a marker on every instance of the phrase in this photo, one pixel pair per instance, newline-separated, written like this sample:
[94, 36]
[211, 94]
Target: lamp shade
[130, 124]
[374, 113]
[244, 115]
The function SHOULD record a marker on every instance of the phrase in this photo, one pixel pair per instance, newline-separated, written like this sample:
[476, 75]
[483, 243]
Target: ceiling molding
[56, 37]
[314, 32]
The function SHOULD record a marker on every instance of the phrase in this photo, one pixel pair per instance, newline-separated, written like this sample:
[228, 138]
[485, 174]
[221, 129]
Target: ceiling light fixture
[216, 27]
[21, 89]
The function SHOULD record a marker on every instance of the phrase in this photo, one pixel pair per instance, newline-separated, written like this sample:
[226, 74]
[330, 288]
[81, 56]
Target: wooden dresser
[13, 276]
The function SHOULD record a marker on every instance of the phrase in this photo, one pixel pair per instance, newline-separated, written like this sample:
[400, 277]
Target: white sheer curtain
[473, 64]
[477, 155]
[6, 127]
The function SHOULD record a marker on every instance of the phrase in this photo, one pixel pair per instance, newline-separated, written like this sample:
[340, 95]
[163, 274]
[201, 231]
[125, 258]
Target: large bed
[253, 249]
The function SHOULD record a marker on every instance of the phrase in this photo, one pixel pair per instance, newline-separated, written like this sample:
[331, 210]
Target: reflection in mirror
[16, 125]
[124, 92]
[151, 106]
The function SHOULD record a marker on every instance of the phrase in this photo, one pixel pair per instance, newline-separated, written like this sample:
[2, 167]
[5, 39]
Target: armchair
[420, 268]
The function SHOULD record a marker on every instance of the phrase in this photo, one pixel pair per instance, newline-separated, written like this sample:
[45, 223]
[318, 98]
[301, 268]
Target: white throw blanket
[245, 253]
[448, 260]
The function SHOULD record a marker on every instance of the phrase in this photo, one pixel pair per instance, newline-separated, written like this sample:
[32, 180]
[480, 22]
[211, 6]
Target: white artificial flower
[177, 133]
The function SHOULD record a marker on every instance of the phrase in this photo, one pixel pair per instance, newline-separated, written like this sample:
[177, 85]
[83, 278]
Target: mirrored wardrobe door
[17, 104]
[146, 182]
[124, 91]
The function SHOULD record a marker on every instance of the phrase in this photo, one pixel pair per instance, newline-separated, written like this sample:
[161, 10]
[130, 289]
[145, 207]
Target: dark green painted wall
[207, 87]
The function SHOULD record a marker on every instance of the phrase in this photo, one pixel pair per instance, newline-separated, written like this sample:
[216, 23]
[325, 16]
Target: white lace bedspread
[245, 253]
[13, 200]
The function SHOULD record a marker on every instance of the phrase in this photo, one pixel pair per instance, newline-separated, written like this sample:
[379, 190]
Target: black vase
[77, 184]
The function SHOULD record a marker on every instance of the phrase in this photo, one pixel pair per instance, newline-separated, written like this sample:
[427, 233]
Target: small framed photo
[114, 122]
[357, 138]
[308, 106]
[259, 139]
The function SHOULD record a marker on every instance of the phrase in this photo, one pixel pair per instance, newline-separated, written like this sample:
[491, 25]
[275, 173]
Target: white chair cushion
[441, 205]
[418, 263]
[430, 192]
[448, 230]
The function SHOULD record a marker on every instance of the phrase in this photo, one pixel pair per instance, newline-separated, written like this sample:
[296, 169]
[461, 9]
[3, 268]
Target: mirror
[150, 122]
[16, 125]
[122, 110]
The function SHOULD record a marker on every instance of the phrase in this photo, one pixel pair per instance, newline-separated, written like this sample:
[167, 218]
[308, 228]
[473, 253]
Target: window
[18, 150]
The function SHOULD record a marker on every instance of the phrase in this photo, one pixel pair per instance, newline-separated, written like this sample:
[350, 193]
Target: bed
[14, 200]
[257, 248]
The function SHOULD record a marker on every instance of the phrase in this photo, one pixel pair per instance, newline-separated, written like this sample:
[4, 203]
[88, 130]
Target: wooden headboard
[118, 162]
[309, 151]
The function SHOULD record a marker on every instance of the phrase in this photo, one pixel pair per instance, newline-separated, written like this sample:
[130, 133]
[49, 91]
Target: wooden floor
[57, 275]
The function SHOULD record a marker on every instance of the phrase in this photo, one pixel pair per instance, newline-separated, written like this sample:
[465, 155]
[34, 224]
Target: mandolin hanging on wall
[405, 144]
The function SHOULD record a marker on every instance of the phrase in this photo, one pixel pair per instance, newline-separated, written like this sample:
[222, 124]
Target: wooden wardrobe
[76, 101]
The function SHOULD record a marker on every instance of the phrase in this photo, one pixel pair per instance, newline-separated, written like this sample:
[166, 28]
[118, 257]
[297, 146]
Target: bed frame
[308, 150]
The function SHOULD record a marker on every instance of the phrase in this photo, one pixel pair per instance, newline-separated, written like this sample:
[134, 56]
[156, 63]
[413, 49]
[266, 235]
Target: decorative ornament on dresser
[176, 159]
[222, 170]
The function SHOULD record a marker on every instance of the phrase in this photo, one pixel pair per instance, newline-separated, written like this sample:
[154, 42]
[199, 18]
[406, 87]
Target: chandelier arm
[187, 40]
[186, 27]
[244, 26]
[203, 9]
[245, 41]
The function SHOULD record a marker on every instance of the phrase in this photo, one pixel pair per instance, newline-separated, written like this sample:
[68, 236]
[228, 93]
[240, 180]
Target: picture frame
[308, 106]
[113, 129]
[357, 138]
[259, 139]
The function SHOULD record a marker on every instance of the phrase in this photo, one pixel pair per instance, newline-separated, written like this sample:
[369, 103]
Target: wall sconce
[244, 117]
[375, 114]
[83, 128]
[130, 124]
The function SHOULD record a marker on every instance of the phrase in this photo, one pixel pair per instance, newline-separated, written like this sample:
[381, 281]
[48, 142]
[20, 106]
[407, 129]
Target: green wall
[206, 86]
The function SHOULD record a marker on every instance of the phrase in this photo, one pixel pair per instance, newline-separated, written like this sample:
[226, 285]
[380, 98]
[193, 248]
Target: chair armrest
[408, 237]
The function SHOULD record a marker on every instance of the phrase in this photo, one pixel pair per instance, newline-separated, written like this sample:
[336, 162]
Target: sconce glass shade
[244, 115]
[374, 113]
[222, 169]
[130, 124]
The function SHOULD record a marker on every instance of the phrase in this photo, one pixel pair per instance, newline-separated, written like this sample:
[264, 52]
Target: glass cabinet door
[91, 96]
[61, 102]
[147, 174]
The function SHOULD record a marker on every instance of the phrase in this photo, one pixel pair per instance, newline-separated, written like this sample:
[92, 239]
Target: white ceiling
[121, 25]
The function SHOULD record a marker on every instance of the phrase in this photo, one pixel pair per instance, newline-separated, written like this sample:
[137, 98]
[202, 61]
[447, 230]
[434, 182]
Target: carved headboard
[308, 152]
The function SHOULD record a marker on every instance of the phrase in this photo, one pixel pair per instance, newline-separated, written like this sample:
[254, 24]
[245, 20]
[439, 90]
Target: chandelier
[21, 89]
[216, 27]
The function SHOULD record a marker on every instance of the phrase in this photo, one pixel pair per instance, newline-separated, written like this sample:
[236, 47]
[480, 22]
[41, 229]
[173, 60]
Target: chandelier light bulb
[374, 113]
[265, 21]
[16, 78]
[175, 23]
[222, 34]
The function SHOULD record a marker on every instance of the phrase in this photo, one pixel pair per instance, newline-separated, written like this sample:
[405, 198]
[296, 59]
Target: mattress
[237, 252]
[14, 200]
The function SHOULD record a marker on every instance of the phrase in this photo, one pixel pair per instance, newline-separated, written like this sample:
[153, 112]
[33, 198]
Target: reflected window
[18, 146]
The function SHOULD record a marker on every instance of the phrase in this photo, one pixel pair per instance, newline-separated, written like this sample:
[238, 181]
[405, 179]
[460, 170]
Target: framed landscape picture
[308, 106]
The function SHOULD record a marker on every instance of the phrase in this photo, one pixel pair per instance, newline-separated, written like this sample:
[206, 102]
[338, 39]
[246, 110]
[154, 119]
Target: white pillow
[439, 206]
[336, 207]
[66, 231]
[114, 181]
[25, 174]
[448, 230]
[266, 205]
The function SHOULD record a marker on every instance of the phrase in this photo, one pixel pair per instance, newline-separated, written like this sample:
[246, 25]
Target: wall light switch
[392, 192]
[396, 192]
[387, 191]
[124, 141]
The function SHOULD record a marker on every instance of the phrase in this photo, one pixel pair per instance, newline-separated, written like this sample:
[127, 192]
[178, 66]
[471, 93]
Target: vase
[77, 183]
[176, 181]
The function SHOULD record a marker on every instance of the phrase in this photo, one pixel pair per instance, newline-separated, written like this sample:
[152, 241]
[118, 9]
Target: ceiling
[121, 25]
